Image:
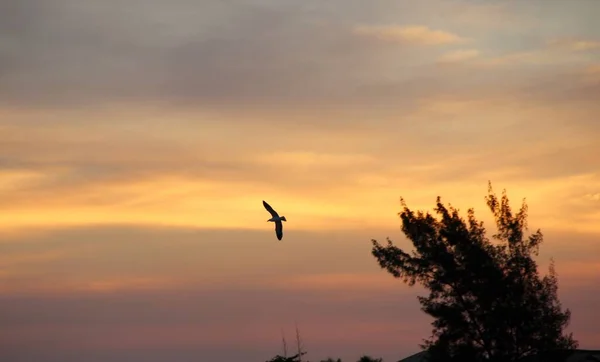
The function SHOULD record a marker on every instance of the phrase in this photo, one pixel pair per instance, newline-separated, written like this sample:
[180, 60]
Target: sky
[138, 139]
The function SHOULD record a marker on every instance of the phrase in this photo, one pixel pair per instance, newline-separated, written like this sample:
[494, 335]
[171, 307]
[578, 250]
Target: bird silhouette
[276, 219]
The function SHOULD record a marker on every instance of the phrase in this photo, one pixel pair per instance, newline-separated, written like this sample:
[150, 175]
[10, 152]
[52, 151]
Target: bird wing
[270, 209]
[279, 229]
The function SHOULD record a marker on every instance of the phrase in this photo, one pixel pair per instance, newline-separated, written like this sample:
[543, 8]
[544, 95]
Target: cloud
[111, 178]
[78, 261]
[227, 56]
[338, 281]
[591, 75]
[593, 69]
[459, 55]
[177, 124]
[127, 284]
[516, 58]
[9, 260]
[555, 51]
[12, 180]
[535, 57]
[138, 326]
[415, 34]
[237, 57]
[574, 44]
[254, 60]
[593, 197]
[333, 128]
[152, 290]
[183, 288]
[137, 167]
[565, 52]
[226, 52]
[505, 16]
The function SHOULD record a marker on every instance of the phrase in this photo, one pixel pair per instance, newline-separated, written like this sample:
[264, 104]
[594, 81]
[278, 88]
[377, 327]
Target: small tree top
[295, 358]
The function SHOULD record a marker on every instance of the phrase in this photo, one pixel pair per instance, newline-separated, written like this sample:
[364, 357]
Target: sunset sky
[138, 139]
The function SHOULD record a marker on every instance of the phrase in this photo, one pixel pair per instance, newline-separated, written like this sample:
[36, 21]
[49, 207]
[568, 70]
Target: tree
[295, 358]
[488, 300]
[369, 359]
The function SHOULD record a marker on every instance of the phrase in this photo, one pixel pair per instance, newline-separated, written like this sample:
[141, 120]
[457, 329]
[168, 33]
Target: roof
[417, 357]
[579, 355]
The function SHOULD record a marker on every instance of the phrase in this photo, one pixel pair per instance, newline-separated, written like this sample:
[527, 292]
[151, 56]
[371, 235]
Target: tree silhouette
[487, 299]
[369, 359]
[295, 358]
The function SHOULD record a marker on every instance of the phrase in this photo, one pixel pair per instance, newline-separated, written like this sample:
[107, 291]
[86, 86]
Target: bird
[276, 219]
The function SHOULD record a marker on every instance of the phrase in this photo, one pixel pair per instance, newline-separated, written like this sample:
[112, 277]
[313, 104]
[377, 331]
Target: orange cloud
[23, 282]
[593, 69]
[593, 197]
[419, 35]
[459, 55]
[11, 180]
[183, 175]
[369, 200]
[591, 74]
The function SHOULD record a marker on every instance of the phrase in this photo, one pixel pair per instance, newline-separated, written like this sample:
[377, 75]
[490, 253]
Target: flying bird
[276, 219]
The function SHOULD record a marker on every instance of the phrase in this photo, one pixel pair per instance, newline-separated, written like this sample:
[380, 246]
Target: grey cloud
[67, 52]
[49, 353]
[209, 308]
[231, 56]
[79, 321]
[213, 54]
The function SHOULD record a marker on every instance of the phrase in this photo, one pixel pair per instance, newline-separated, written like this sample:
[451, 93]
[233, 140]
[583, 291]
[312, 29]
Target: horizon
[139, 138]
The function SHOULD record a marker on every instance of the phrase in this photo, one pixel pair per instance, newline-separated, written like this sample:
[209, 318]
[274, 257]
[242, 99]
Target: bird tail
[283, 218]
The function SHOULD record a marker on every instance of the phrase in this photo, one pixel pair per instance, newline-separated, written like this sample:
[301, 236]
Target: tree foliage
[488, 300]
[369, 359]
[294, 358]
